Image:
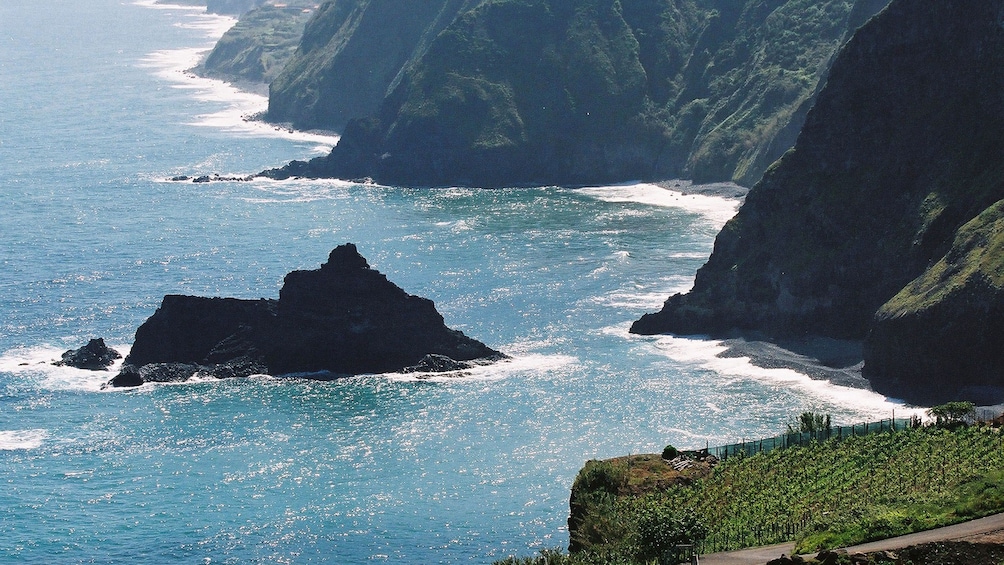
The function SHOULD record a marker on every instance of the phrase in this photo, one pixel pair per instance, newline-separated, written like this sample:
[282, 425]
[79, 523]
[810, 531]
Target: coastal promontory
[342, 319]
[883, 222]
[538, 92]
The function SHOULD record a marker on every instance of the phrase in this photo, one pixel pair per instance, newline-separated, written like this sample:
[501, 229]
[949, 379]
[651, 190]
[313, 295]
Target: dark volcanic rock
[129, 376]
[95, 356]
[342, 319]
[902, 149]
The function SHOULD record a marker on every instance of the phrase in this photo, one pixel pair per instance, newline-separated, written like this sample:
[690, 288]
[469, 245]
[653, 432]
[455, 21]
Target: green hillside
[561, 91]
[260, 44]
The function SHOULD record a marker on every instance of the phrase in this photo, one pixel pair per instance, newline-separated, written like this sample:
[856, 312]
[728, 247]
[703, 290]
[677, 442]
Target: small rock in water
[95, 356]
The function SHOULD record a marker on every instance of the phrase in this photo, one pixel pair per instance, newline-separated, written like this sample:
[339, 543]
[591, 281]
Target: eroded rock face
[342, 319]
[95, 356]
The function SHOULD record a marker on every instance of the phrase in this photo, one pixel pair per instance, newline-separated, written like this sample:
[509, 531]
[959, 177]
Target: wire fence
[764, 445]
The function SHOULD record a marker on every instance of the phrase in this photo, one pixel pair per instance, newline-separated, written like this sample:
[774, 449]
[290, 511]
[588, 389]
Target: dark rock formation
[516, 92]
[342, 319]
[902, 148]
[95, 356]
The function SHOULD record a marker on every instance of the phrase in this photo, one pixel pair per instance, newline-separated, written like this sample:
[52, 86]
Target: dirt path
[989, 530]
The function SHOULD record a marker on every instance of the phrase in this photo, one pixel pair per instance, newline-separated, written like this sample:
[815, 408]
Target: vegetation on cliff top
[352, 55]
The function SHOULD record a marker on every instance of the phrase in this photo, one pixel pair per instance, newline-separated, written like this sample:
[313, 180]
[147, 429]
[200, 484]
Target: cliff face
[559, 91]
[942, 336]
[902, 148]
[260, 44]
[352, 54]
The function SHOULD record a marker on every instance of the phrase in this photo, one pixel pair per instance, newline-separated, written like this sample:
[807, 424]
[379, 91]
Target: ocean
[98, 113]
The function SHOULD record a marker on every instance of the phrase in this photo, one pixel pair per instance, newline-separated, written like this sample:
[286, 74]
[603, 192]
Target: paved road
[754, 556]
[761, 555]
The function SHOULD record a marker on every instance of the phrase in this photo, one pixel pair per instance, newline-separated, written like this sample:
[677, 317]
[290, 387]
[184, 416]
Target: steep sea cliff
[559, 92]
[902, 149]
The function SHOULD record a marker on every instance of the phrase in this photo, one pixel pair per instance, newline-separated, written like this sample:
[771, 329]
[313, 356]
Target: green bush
[953, 414]
[669, 452]
[606, 476]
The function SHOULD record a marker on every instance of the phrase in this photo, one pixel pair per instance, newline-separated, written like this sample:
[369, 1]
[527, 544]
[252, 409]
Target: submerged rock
[95, 356]
[342, 319]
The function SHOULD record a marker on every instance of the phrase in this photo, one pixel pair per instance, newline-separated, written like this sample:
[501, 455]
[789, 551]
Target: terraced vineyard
[827, 494]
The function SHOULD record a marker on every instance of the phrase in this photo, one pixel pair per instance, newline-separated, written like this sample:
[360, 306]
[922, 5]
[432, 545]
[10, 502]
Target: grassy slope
[827, 495]
[901, 149]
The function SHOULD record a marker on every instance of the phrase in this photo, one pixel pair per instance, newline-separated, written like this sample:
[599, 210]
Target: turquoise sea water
[96, 113]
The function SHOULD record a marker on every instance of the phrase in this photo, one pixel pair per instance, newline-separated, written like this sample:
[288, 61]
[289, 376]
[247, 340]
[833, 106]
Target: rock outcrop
[942, 336]
[342, 319]
[855, 232]
[515, 92]
[95, 356]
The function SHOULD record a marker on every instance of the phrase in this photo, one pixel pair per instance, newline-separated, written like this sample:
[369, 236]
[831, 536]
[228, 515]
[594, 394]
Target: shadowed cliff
[855, 232]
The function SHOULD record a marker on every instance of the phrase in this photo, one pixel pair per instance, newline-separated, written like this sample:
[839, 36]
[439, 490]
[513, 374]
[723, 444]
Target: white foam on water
[705, 353]
[296, 190]
[644, 298]
[163, 6]
[36, 363]
[11, 440]
[718, 209]
[524, 359]
[174, 66]
[215, 25]
[537, 364]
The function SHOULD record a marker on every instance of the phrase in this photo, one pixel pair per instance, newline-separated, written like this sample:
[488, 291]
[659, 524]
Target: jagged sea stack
[342, 319]
[881, 224]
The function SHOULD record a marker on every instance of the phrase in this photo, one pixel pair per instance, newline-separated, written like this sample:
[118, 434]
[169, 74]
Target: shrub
[670, 452]
[606, 476]
[953, 414]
